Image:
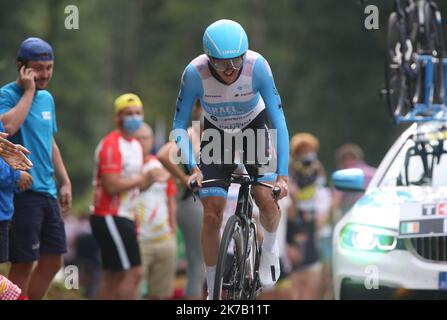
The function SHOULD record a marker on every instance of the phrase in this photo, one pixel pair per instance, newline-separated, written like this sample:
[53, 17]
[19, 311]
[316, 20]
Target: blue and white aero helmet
[225, 39]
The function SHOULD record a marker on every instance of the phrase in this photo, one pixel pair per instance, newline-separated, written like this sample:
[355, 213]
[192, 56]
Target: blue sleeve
[8, 176]
[264, 84]
[16, 176]
[53, 117]
[190, 88]
[6, 102]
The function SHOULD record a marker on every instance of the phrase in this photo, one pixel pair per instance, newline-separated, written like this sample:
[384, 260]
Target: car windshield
[422, 161]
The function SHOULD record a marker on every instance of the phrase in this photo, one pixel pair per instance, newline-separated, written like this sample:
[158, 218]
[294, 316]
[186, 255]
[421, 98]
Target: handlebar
[194, 184]
[276, 192]
[240, 179]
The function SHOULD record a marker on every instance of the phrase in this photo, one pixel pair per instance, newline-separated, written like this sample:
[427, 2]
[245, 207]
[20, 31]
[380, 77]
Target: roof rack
[427, 111]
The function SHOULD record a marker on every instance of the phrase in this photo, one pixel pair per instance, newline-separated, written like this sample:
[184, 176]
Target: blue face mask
[132, 123]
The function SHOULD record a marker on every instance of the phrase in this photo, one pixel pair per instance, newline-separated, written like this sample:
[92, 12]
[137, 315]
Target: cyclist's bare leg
[47, 267]
[269, 213]
[20, 274]
[213, 208]
[269, 268]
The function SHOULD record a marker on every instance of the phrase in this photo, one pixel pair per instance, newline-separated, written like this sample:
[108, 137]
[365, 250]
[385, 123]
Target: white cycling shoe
[269, 271]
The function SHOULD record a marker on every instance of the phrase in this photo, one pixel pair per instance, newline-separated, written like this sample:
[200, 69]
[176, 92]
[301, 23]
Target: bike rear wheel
[399, 84]
[227, 282]
[434, 45]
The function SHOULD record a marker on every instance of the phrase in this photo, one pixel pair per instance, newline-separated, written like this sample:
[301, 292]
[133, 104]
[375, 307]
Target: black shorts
[221, 166]
[4, 241]
[308, 247]
[36, 228]
[118, 242]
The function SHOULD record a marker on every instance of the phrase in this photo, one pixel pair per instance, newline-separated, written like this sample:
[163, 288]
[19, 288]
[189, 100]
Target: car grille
[430, 248]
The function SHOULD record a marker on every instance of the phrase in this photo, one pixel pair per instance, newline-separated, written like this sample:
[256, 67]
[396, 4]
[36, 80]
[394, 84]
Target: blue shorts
[37, 228]
[4, 241]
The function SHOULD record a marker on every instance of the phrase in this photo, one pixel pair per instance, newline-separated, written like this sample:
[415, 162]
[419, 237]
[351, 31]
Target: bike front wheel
[228, 282]
[252, 283]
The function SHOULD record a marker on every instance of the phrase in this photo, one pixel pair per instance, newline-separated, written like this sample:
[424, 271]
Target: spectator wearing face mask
[118, 179]
[309, 210]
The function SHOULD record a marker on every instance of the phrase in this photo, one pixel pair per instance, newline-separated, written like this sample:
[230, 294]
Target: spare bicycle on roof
[415, 66]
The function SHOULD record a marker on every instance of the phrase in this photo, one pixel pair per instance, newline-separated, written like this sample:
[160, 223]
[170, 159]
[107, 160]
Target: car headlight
[367, 238]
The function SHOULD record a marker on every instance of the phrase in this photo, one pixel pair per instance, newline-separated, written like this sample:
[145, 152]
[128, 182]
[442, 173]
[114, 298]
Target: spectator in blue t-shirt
[9, 179]
[28, 114]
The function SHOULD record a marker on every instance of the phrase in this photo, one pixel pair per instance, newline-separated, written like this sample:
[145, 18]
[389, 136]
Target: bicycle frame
[244, 210]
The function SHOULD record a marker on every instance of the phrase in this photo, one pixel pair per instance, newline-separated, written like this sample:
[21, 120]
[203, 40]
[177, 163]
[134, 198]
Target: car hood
[381, 206]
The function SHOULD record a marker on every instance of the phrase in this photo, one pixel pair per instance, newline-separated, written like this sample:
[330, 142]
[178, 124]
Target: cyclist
[237, 91]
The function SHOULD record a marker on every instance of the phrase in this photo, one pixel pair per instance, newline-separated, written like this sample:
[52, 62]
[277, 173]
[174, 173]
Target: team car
[392, 244]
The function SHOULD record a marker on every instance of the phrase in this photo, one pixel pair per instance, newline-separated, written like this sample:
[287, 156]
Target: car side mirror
[349, 180]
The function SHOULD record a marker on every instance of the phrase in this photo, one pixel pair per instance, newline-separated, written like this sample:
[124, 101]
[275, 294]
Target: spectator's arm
[171, 191]
[14, 118]
[291, 209]
[114, 183]
[163, 157]
[59, 167]
[172, 209]
[62, 178]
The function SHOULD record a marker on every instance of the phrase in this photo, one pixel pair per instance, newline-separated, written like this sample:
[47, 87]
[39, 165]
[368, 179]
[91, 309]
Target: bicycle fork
[244, 210]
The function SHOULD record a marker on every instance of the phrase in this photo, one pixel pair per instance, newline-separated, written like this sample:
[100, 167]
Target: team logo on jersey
[245, 86]
[46, 115]
[224, 111]
[243, 94]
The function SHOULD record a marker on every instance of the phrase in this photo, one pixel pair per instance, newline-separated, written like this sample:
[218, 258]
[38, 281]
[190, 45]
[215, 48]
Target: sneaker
[269, 267]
